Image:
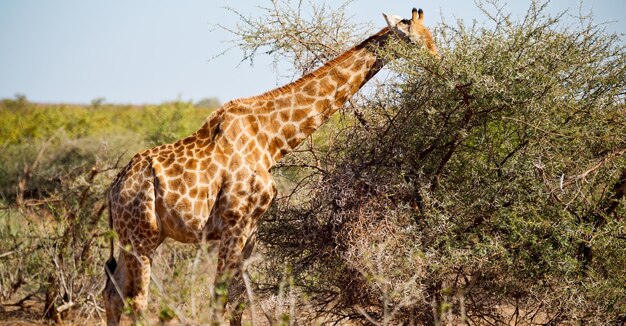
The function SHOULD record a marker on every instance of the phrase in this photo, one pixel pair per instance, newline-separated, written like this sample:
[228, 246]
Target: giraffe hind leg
[138, 274]
[113, 292]
[127, 286]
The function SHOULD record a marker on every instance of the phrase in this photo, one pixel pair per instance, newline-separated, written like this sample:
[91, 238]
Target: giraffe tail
[111, 263]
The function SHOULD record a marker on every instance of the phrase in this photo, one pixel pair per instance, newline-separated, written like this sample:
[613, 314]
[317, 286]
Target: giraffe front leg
[229, 269]
[237, 288]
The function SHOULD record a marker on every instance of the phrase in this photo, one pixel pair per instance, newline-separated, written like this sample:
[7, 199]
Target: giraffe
[216, 183]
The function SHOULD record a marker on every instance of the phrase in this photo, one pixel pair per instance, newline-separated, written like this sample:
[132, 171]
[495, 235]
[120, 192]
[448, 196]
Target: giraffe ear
[392, 20]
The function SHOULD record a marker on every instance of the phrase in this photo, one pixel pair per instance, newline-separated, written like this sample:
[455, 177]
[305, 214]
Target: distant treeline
[22, 121]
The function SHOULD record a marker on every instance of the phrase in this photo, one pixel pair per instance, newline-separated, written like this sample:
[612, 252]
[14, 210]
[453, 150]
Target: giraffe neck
[299, 108]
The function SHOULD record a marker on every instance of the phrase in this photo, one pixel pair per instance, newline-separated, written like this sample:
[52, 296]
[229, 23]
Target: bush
[485, 186]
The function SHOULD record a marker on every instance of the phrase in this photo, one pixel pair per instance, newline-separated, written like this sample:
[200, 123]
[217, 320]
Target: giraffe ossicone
[216, 183]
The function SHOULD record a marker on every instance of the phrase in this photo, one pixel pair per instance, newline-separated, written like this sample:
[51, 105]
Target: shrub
[485, 186]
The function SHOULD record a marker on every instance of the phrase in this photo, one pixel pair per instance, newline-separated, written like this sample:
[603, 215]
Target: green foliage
[489, 181]
[22, 121]
[45, 141]
[166, 314]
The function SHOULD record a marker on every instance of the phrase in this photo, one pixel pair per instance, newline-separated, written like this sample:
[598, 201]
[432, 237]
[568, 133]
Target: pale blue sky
[150, 51]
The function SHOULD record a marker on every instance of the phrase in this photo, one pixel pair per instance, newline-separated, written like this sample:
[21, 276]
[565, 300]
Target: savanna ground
[484, 187]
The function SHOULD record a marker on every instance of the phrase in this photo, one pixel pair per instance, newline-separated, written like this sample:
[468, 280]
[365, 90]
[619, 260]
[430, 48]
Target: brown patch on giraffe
[203, 152]
[277, 143]
[289, 131]
[243, 140]
[202, 143]
[228, 150]
[240, 191]
[310, 88]
[252, 124]
[170, 199]
[235, 161]
[193, 192]
[204, 164]
[255, 185]
[174, 170]
[195, 223]
[242, 174]
[203, 133]
[283, 102]
[293, 142]
[212, 169]
[322, 106]
[339, 77]
[275, 150]
[273, 126]
[342, 95]
[220, 158]
[302, 100]
[177, 185]
[249, 148]
[356, 86]
[266, 108]
[255, 154]
[326, 86]
[262, 109]
[358, 65]
[166, 159]
[239, 110]
[265, 199]
[308, 126]
[183, 205]
[232, 133]
[203, 192]
[280, 153]
[299, 115]
[190, 178]
[191, 164]
[346, 64]
[284, 115]
[262, 139]
[203, 178]
[263, 120]
[188, 140]
[190, 148]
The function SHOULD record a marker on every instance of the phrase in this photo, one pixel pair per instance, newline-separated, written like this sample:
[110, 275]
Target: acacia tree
[484, 186]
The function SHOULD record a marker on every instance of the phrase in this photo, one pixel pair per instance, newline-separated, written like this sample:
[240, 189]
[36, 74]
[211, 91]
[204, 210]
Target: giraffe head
[412, 30]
